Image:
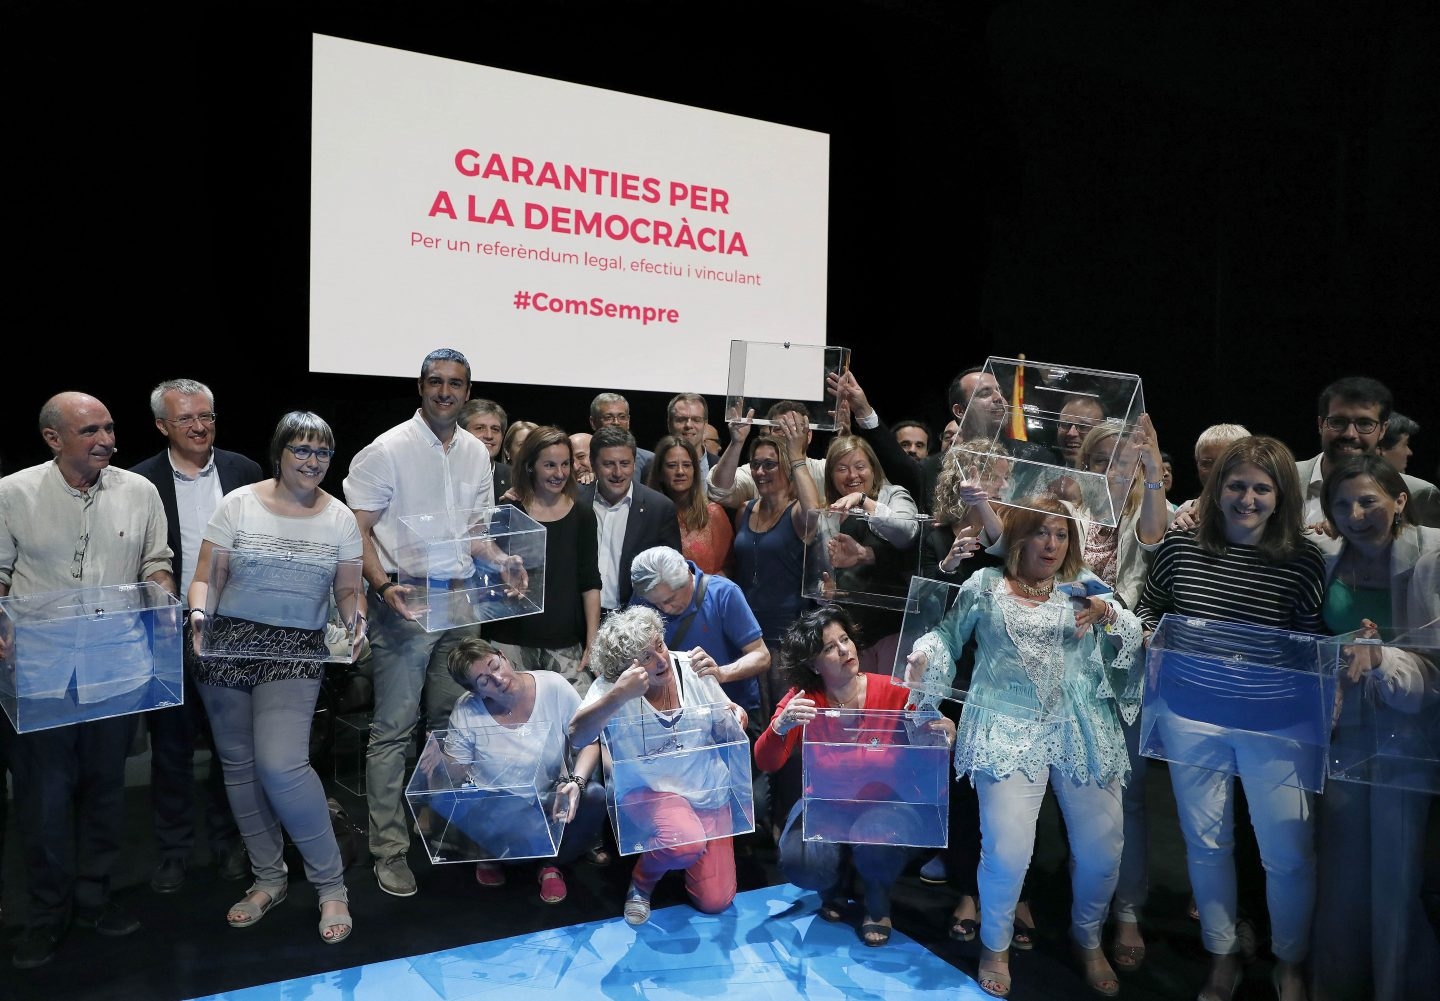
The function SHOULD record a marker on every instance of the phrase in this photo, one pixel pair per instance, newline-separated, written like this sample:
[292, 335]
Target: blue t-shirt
[722, 626]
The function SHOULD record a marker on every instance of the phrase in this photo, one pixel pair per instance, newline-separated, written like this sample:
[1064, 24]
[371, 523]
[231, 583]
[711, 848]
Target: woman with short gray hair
[641, 681]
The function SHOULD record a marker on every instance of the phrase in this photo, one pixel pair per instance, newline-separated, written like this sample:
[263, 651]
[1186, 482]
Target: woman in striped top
[1246, 561]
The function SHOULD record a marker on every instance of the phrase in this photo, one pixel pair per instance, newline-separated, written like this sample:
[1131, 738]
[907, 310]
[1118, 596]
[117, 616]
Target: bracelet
[799, 462]
[380, 591]
[1154, 486]
[579, 780]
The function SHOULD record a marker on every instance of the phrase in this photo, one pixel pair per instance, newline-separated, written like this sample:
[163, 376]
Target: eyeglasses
[81, 548]
[304, 453]
[615, 419]
[189, 420]
[1364, 425]
[764, 465]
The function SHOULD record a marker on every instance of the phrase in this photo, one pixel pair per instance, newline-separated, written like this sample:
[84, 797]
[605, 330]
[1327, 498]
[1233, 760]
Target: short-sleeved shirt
[408, 471]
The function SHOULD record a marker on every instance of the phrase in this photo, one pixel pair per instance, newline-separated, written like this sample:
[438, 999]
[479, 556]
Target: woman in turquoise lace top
[1044, 708]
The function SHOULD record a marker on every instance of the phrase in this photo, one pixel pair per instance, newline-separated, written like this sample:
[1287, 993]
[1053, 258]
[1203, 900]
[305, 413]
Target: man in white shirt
[631, 516]
[426, 465]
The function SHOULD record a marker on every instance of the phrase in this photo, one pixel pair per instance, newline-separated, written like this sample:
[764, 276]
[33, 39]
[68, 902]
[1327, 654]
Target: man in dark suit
[985, 420]
[191, 475]
[632, 517]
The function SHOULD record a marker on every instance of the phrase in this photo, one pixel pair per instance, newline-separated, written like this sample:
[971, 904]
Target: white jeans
[1284, 821]
[1009, 808]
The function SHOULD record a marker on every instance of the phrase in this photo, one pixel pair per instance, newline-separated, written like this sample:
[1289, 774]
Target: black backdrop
[1236, 201]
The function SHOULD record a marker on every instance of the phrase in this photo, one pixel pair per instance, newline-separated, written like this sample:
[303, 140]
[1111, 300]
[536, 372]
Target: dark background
[1235, 201]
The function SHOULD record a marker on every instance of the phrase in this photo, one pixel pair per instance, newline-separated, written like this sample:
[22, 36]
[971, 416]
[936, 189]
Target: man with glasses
[74, 522]
[191, 475]
[613, 410]
[1354, 413]
[420, 467]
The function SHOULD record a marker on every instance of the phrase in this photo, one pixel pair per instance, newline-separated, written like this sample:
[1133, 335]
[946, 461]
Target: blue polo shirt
[722, 626]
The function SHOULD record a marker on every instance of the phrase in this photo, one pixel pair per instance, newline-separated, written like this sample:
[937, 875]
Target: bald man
[75, 522]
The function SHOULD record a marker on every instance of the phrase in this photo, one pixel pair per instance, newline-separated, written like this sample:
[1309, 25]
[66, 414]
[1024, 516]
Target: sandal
[1023, 935]
[993, 979]
[832, 910]
[1099, 977]
[963, 929]
[552, 885]
[881, 932]
[490, 874]
[637, 906]
[340, 924]
[251, 911]
[599, 856]
[1126, 958]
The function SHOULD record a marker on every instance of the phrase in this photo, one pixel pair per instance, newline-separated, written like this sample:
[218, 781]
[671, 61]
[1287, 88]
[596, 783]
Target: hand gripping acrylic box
[270, 606]
[485, 793]
[932, 678]
[88, 654]
[1015, 432]
[467, 567]
[700, 755]
[1240, 699]
[1386, 720]
[860, 559]
[762, 373]
[876, 777]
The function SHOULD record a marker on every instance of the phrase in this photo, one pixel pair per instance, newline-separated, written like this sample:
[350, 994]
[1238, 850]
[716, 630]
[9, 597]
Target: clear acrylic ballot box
[699, 754]
[763, 373]
[835, 570]
[483, 793]
[267, 606]
[1014, 442]
[1211, 686]
[876, 777]
[1386, 729]
[936, 678]
[88, 654]
[465, 567]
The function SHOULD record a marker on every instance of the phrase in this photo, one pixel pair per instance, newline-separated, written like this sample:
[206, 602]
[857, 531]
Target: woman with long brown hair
[706, 535]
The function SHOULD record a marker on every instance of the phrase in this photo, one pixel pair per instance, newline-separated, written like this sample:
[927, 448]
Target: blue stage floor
[769, 945]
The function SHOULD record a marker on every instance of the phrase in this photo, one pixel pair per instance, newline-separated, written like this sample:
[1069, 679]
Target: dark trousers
[70, 810]
[174, 735]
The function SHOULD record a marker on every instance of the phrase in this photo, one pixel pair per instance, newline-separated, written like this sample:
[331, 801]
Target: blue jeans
[825, 865]
[262, 735]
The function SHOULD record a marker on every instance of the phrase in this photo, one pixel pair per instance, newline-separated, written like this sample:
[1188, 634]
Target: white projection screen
[558, 234]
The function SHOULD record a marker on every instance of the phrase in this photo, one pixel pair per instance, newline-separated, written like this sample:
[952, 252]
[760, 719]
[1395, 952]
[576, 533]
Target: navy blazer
[235, 470]
[653, 521]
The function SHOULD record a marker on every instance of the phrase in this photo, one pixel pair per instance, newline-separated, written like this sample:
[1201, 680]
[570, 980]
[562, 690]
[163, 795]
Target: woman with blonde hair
[874, 553]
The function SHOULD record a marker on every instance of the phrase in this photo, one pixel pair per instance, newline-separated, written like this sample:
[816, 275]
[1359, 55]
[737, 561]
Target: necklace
[856, 696]
[1040, 589]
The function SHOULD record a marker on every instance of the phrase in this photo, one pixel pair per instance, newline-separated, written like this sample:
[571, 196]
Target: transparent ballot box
[352, 739]
[876, 777]
[1014, 442]
[762, 373]
[700, 755]
[87, 654]
[934, 678]
[484, 793]
[1386, 723]
[464, 567]
[269, 606]
[837, 568]
[1214, 687]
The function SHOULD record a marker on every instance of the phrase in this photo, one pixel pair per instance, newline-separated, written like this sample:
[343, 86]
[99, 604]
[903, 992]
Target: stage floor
[768, 946]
